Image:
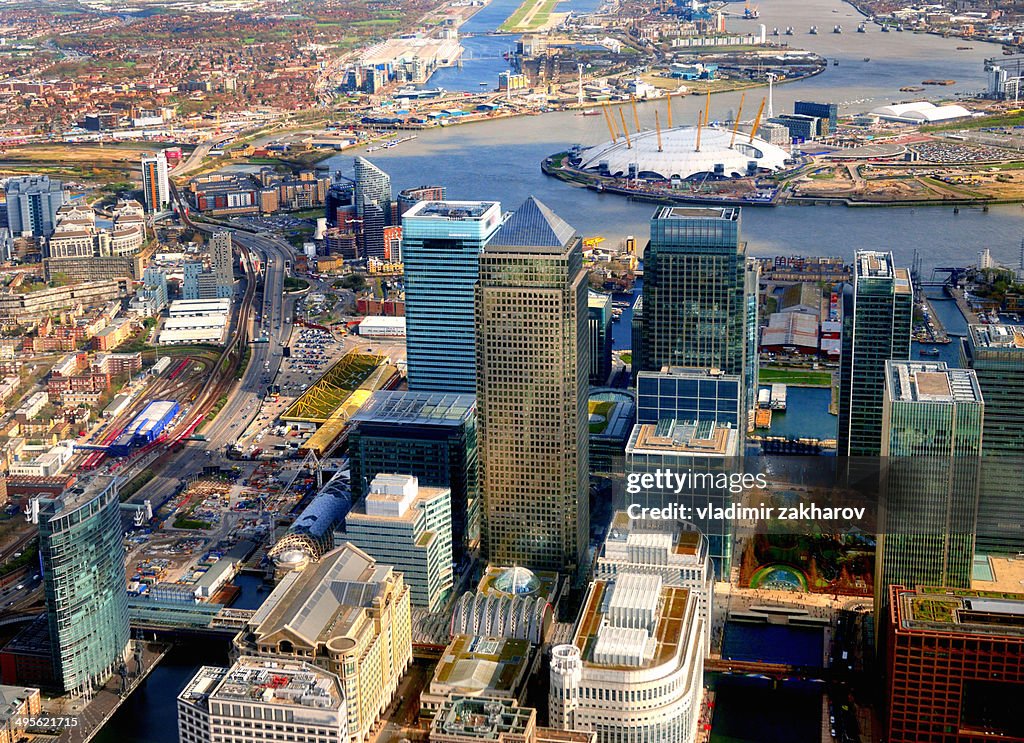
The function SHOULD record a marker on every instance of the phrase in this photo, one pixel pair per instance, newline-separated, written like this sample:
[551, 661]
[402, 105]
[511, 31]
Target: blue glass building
[441, 244]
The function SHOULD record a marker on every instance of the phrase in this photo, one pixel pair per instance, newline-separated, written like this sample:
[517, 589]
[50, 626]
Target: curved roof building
[921, 112]
[678, 157]
[312, 534]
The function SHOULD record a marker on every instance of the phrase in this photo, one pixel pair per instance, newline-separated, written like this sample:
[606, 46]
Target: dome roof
[679, 157]
[516, 581]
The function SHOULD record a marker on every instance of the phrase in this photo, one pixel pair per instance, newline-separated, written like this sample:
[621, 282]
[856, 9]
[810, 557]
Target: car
[20, 586]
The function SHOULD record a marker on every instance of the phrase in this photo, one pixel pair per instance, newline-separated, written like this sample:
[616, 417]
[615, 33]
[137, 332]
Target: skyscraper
[996, 354]
[600, 322]
[878, 311]
[932, 435]
[32, 204]
[441, 244]
[532, 383]
[156, 190]
[373, 186]
[84, 581]
[222, 263]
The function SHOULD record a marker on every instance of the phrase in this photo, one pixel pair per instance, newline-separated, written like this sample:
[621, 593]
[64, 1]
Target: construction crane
[590, 243]
[636, 114]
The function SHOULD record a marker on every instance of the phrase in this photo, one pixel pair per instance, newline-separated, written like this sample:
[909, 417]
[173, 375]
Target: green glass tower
[84, 580]
[878, 309]
[932, 419]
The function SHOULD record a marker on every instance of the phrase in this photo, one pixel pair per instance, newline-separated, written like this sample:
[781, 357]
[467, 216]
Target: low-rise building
[17, 705]
[484, 720]
[493, 667]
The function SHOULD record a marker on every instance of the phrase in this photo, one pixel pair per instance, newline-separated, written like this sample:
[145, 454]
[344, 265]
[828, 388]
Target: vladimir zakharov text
[667, 480]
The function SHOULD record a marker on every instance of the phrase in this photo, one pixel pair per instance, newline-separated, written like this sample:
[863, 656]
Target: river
[501, 159]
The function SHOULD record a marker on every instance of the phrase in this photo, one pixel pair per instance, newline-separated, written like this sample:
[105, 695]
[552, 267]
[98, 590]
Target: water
[622, 331]
[500, 159]
[150, 714]
[806, 414]
[251, 597]
[481, 63]
[755, 710]
[774, 643]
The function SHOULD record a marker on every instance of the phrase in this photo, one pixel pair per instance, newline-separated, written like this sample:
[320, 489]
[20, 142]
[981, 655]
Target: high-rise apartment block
[635, 666]
[156, 188]
[532, 383]
[260, 702]
[84, 582]
[32, 204]
[955, 666]
[932, 435]
[441, 245]
[222, 263]
[372, 199]
[432, 436]
[878, 311]
[410, 527]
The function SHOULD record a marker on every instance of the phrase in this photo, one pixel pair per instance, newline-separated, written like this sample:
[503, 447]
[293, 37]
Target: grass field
[797, 377]
[529, 16]
[1007, 119]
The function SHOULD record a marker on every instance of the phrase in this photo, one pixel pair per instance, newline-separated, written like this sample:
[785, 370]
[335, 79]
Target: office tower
[696, 394]
[372, 186]
[827, 113]
[32, 204]
[84, 581]
[669, 549]
[371, 233]
[346, 614]
[532, 369]
[932, 435]
[410, 527]
[441, 244]
[222, 263]
[599, 319]
[156, 189]
[432, 436]
[955, 666]
[878, 309]
[996, 354]
[260, 704]
[408, 198]
[635, 666]
[636, 337]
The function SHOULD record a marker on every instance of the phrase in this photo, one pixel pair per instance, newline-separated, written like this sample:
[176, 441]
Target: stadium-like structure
[682, 153]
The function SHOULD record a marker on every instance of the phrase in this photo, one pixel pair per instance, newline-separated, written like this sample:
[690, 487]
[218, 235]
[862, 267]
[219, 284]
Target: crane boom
[736, 124]
[700, 121]
[707, 109]
[757, 120]
[669, 109]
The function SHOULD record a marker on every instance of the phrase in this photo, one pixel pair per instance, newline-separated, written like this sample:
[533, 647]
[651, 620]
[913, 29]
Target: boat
[814, 30]
[589, 112]
[835, 62]
[775, 31]
[963, 48]
[929, 351]
[911, 89]
[885, 29]
[938, 82]
[789, 30]
[862, 29]
[483, 85]
[837, 29]
[867, 59]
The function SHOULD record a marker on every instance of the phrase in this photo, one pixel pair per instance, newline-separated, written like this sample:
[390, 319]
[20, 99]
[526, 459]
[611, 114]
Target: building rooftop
[417, 408]
[728, 213]
[998, 337]
[874, 264]
[483, 719]
[33, 184]
[452, 210]
[11, 699]
[652, 537]
[696, 438]
[960, 610]
[483, 665]
[532, 225]
[932, 381]
[280, 683]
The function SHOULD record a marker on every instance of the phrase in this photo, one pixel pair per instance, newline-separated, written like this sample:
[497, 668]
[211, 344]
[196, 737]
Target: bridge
[181, 618]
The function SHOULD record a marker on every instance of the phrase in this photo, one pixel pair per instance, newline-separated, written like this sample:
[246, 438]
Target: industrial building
[380, 326]
[921, 112]
[145, 428]
[195, 321]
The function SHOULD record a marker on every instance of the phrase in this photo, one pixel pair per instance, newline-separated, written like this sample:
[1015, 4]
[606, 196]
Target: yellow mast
[707, 109]
[657, 126]
[757, 120]
[670, 109]
[700, 121]
[636, 116]
[629, 145]
[736, 124]
[608, 120]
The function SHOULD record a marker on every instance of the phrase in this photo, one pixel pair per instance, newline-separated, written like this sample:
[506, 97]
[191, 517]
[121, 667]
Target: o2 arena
[686, 163]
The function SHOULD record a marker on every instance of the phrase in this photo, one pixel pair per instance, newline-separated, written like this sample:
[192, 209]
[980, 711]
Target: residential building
[996, 354]
[441, 245]
[32, 204]
[263, 703]
[932, 419]
[344, 613]
[878, 311]
[432, 436]
[156, 187]
[18, 705]
[532, 381]
[634, 669]
[82, 557]
[410, 527]
[955, 665]
[222, 263]
[599, 320]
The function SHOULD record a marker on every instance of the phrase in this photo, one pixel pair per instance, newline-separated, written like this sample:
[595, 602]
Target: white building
[156, 187]
[921, 112]
[665, 548]
[410, 527]
[634, 670]
[262, 701]
[379, 326]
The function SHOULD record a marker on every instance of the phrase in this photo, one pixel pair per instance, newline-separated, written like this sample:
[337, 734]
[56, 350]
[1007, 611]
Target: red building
[955, 662]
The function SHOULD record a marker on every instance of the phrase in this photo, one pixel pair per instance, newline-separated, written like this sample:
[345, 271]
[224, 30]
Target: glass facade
[84, 580]
[877, 323]
[600, 321]
[689, 395]
[441, 244]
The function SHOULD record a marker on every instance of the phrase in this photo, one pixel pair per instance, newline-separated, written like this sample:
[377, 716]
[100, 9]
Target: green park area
[796, 377]
[600, 412]
[522, 20]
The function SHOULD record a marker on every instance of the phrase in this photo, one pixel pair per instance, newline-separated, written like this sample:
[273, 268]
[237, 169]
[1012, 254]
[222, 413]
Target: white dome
[517, 581]
[679, 157]
[921, 112]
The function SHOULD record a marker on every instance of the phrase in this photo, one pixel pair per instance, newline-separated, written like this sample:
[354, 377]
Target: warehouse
[382, 327]
[194, 307]
[145, 428]
[196, 329]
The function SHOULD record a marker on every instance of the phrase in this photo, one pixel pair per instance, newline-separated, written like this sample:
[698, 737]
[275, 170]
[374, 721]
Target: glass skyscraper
[533, 367]
[84, 580]
[373, 186]
[877, 321]
[441, 244]
[932, 421]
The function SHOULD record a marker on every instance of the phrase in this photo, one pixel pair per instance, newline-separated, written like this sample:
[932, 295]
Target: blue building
[828, 113]
[441, 244]
[690, 394]
[32, 204]
[145, 428]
